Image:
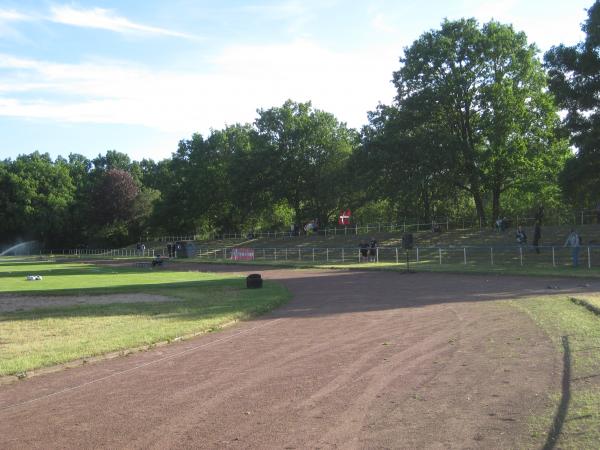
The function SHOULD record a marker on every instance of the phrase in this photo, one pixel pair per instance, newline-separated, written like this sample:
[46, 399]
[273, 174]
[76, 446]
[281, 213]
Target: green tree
[36, 194]
[308, 151]
[573, 74]
[481, 94]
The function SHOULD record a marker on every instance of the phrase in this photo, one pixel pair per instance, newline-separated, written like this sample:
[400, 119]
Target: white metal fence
[548, 256]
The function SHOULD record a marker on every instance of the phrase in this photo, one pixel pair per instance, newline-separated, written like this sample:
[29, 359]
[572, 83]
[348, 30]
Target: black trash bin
[254, 281]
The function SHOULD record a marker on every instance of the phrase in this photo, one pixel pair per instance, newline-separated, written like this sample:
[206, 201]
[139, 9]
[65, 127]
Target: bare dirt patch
[11, 303]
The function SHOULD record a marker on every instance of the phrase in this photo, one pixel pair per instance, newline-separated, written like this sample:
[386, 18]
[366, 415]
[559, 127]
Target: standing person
[537, 235]
[373, 250]
[521, 236]
[539, 215]
[574, 241]
[364, 250]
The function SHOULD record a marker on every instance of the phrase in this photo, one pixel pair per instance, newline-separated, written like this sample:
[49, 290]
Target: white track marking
[97, 380]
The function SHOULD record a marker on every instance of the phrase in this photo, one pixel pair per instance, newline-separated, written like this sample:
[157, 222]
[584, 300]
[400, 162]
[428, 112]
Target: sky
[138, 76]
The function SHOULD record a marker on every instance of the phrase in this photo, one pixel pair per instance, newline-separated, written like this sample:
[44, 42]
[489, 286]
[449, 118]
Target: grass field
[53, 335]
[576, 419]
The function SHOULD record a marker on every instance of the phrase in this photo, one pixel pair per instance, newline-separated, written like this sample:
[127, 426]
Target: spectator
[364, 250]
[537, 235]
[521, 236]
[499, 226]
[539, 215]
[373, 250]
[574, 241]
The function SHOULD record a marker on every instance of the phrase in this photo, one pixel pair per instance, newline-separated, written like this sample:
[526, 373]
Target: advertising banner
[242, 254]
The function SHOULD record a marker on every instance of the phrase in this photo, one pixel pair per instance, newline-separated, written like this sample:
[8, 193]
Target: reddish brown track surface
[354, 360]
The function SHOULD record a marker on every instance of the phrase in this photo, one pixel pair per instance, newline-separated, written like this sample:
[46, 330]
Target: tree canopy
[574, 79]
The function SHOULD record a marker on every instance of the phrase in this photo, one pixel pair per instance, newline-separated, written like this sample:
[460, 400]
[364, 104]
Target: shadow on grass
[563, 407]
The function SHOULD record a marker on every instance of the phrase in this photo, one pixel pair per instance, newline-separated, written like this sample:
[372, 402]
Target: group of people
[368, 250]
[573, 241]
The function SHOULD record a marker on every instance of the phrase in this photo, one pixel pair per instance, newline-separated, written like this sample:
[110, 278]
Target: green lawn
[55, 335]
[560, 318]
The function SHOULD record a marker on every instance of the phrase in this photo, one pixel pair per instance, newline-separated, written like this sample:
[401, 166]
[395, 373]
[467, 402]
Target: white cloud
[241, 79]
[106, 20]
[10, 15]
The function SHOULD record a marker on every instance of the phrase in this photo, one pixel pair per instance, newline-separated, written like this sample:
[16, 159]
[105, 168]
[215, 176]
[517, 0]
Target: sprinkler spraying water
[24, 248]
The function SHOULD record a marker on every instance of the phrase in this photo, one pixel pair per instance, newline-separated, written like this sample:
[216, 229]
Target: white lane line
[97, 380]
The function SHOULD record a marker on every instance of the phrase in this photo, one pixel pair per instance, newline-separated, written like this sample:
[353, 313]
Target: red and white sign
[345, 217]
[240, 254]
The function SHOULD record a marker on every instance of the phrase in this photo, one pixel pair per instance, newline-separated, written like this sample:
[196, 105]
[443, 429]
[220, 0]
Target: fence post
[356, 227]
[491, 254]
[299, 253]
[327, 252]
[440, 253]
[465, 255]
[521, 254]
[589, 258]
[404, 229]
[396, 255]
[377, 254]
[313, 254]
[275, 253]
[417, 254]
[343, 254]
[264, 254]
[553, 259]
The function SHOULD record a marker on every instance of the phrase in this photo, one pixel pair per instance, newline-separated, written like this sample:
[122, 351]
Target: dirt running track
[355, 360]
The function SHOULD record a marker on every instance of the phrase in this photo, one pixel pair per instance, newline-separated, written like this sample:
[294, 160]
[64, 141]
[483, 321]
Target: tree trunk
[479, 205]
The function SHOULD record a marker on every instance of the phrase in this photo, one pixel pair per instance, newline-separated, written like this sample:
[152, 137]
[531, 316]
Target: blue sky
[138, 76]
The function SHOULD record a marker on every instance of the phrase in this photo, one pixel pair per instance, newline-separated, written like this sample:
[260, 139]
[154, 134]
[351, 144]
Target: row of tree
[473, 129]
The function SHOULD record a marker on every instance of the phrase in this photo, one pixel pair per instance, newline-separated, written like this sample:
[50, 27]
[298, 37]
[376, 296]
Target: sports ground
[355, 359]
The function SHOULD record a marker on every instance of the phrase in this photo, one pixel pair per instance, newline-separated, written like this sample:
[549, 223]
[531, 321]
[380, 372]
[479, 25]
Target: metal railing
[549, 256]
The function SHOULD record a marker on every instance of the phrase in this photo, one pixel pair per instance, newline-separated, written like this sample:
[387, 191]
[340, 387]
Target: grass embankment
[574, 415]
[54, 335]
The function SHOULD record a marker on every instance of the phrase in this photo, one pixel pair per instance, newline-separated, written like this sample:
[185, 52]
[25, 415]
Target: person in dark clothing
[521, 236]
[373, 250]
[537, 235]
[364, 250]
[539, 215]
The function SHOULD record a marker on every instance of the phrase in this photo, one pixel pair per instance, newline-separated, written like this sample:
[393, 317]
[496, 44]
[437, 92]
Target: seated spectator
[521, 236]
